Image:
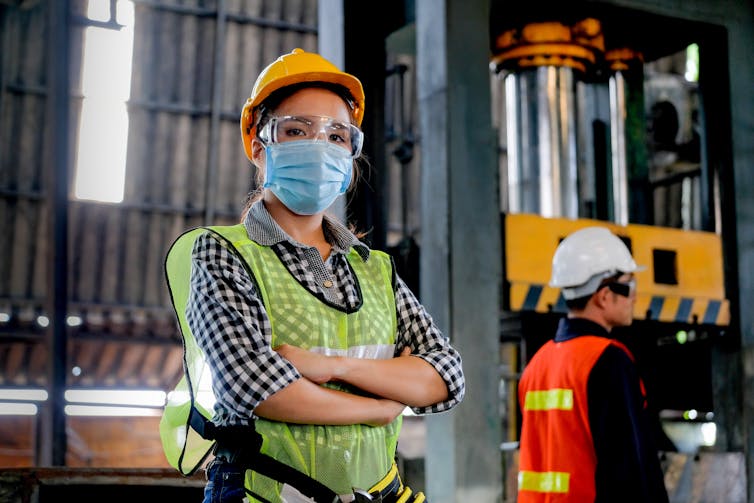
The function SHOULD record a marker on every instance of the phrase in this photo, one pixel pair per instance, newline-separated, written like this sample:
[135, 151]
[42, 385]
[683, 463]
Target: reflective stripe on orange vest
[550, 399]
[544, 482]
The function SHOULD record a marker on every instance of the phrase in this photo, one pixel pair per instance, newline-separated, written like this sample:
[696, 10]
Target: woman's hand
[391, 409]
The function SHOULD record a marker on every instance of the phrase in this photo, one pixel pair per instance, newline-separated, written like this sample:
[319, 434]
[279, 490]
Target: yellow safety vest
[341, 457]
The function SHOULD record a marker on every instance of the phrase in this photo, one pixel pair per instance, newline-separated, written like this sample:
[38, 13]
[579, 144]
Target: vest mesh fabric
[183, 446]
[341, 457]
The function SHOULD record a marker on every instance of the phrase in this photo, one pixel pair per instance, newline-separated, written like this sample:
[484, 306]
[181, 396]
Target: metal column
[57, 159]
[460, 241]
[631, 194]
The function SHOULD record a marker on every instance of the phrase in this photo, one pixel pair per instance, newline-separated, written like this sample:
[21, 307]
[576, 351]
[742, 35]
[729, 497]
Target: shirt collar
[263, 229]
[568, 328]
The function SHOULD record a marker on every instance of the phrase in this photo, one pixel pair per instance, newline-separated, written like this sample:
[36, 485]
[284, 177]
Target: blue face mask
[307, 175]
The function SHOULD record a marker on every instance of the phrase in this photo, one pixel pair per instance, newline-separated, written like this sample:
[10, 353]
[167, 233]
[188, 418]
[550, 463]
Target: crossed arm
[394, 383]
[230, 324]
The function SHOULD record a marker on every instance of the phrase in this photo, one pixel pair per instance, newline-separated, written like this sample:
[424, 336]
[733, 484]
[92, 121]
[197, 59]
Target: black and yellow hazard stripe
[683, 280]
[543, 299]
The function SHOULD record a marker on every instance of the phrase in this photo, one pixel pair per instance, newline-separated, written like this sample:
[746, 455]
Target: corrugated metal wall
[194, 64]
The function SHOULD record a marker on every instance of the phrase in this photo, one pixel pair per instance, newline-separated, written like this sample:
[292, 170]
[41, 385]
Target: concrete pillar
[460, 241]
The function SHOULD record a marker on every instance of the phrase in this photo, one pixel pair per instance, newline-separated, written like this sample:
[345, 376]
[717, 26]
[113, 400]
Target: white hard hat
[586, 257]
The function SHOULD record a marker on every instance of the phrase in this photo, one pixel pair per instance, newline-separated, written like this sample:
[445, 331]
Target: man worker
[586, 432]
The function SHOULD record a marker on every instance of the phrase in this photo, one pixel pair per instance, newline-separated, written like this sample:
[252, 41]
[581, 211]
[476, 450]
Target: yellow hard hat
[296, 67]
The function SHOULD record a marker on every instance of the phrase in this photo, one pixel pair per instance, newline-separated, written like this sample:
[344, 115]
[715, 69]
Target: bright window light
[86, 402]
[74, 321]
[18, 409]
[98, 10]
[692, 63]
[709, 434]
[18, 401]
[25, 394]
[138, 398]
[114, 402]
[103, 410]
[106, 86]
[205, 398]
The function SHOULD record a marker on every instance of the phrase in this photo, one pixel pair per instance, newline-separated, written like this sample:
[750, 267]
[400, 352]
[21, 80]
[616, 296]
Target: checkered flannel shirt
[230, 324]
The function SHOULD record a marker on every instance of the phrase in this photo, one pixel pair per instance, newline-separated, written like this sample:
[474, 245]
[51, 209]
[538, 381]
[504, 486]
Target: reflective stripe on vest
[550, 399]
[543, 482]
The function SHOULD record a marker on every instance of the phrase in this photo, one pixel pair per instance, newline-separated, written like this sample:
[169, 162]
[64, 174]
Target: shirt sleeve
[417, 330]
[628, 466]
[229, 323]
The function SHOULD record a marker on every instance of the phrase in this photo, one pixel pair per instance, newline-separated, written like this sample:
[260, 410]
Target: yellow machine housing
[683, 280]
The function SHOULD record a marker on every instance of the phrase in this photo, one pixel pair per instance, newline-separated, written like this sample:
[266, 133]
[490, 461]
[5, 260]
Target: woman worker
[310, 337]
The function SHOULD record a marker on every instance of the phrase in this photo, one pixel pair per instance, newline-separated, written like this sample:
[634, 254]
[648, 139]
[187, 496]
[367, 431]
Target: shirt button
[327, 283]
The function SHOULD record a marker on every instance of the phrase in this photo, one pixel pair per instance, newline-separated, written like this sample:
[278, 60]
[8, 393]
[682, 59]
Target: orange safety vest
[557, 460]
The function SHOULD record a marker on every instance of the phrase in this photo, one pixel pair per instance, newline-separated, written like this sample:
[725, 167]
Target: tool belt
[241, 445]
[249, 457]
[389, 490]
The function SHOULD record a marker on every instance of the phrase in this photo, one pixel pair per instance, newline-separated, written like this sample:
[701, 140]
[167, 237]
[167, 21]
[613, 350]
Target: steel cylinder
[543, 61]
[619, 182]
[541, 125]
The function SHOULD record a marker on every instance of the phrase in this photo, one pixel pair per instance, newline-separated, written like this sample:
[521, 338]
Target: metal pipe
[542, 160]
[619, 182]
[628, 183]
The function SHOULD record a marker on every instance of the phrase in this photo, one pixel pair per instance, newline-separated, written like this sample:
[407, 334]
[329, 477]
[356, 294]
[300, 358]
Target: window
[106, 87]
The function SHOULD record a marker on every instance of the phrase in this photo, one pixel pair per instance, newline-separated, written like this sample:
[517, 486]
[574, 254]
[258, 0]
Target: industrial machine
[601, 127]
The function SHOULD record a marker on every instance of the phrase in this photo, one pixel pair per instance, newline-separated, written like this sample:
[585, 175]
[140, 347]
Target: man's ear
[600, 297]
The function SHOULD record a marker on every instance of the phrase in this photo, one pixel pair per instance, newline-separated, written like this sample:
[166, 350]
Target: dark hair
[579, 303]
[262, 114]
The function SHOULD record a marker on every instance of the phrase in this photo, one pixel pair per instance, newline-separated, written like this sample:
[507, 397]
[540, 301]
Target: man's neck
[593, 315]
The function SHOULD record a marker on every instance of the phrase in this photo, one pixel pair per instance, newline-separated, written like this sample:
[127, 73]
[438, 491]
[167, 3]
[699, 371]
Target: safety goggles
[313, 127]
[625, 289]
